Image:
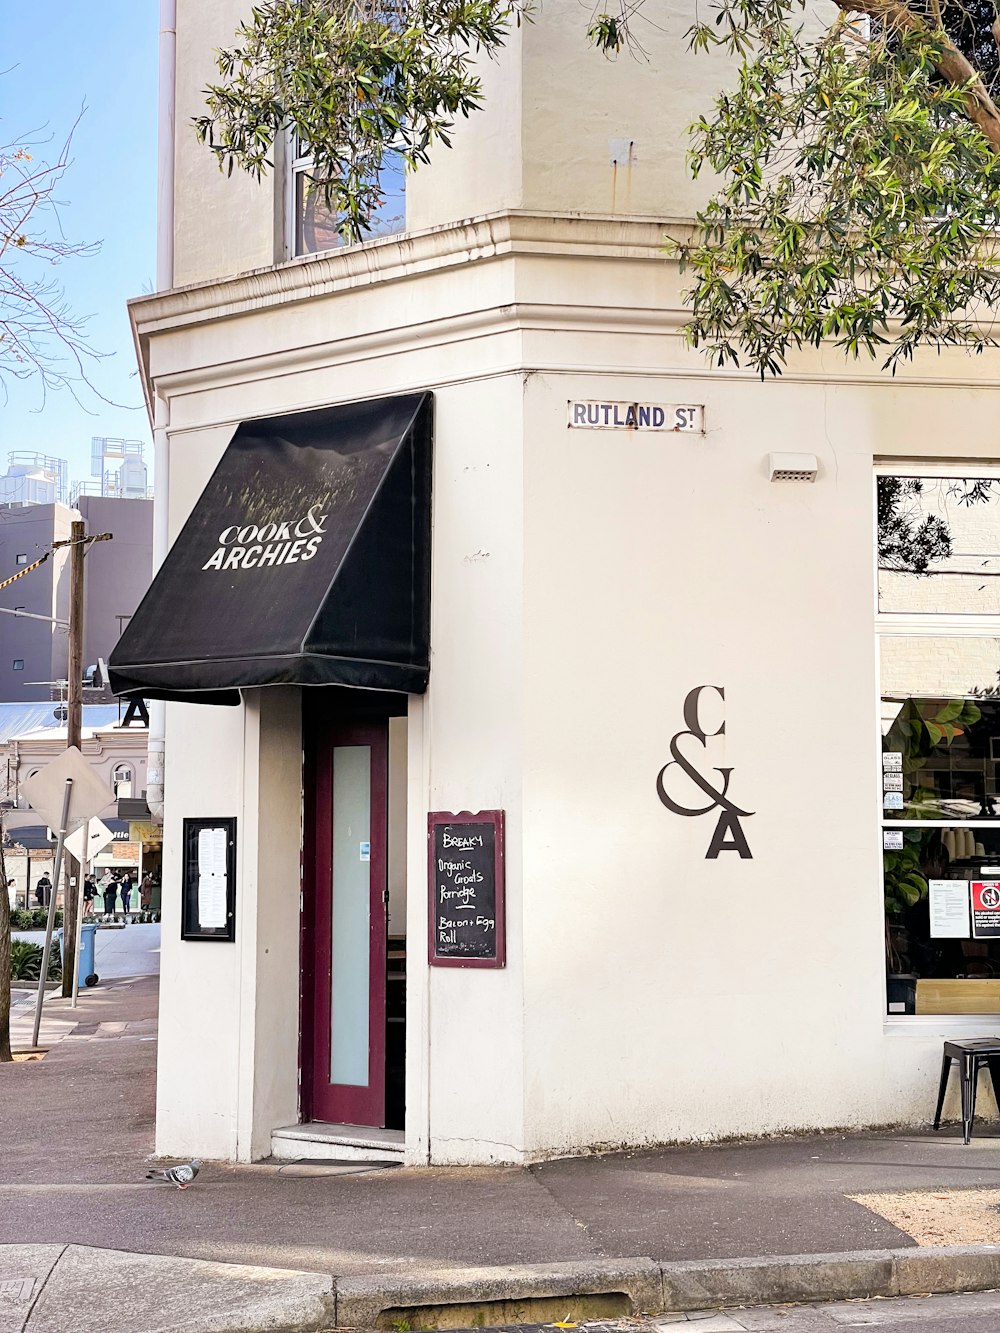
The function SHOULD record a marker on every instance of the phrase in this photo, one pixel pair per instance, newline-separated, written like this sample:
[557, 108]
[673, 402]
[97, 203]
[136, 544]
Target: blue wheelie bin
[88, 971]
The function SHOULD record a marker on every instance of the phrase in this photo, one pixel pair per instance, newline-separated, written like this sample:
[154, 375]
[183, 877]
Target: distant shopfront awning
[306, 561]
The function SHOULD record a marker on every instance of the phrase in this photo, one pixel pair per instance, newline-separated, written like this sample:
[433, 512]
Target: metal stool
[970, 1056]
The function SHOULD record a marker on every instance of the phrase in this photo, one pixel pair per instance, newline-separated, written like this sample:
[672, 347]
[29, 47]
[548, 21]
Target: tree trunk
[5, 1052]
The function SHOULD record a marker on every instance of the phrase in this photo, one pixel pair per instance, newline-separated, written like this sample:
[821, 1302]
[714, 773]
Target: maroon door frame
[321, 1100]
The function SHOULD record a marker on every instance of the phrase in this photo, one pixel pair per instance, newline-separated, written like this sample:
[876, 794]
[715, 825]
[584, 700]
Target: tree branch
[951, 64]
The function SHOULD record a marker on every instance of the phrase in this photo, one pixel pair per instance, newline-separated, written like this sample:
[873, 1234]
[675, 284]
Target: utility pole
[74, 727]
[78, 543]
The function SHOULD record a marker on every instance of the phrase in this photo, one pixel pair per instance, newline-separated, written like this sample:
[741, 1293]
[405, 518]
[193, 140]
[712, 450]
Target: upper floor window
[21, 558]
[314, 227]
[121, 780]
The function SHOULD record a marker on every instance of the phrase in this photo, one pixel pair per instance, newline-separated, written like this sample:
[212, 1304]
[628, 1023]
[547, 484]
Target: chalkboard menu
[465, 855]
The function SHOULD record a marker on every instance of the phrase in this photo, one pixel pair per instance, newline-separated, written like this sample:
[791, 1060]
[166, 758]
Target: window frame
[294, 165]
[930, 625]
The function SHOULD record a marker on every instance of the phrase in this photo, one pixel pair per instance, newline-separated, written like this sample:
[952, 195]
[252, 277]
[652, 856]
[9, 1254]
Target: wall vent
[792, 467]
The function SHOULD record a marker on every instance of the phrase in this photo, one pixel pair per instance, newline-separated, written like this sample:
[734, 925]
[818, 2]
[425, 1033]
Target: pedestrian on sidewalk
[110, 887]
[89, 894]
[145, 892]
[43, 891]
[126, 886]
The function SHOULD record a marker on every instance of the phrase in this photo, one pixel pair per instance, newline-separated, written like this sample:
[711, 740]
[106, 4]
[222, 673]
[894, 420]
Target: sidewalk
[76, 1129]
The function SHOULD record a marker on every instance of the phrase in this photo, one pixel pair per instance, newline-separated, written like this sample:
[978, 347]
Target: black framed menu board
[208, 890]
[466, 889]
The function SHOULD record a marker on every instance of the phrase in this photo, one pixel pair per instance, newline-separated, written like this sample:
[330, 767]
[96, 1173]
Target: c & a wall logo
[257, 546]
[728, 835]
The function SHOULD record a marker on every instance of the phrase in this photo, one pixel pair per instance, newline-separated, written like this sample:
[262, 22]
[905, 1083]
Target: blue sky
[59, 56]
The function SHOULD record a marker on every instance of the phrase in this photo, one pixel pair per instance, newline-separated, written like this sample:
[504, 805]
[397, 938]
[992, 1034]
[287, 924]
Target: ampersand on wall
[728, 835]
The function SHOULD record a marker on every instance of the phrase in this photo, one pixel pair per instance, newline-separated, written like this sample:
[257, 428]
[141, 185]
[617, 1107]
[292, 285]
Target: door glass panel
[349, 1016]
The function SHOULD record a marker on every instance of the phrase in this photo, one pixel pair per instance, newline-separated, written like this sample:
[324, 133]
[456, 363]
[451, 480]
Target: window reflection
[318, 227]
[939, 545]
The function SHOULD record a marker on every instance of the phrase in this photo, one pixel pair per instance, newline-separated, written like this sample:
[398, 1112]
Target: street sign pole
[43, 975]
[84, 866]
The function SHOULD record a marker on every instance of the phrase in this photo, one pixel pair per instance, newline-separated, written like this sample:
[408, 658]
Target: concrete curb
[110, 1290]
[361, 1301]
[676, 1287]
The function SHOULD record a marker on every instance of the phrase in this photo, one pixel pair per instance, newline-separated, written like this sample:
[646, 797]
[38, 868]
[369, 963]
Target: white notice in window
[949, 906]
[212, 882]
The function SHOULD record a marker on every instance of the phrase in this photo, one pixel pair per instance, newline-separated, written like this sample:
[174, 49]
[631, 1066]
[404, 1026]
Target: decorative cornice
[482, 240]
[394, 257]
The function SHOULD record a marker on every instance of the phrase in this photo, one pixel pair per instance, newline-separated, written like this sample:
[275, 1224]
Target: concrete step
[321, 1141]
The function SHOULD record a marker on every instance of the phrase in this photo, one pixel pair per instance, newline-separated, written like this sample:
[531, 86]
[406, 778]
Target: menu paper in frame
[208, 886]
[213, 882]
[949, 909]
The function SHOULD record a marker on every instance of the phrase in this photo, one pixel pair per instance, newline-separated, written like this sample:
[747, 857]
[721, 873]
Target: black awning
[306, 561]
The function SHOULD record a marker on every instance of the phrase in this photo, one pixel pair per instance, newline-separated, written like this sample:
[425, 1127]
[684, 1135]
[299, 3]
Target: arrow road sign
[98, 837]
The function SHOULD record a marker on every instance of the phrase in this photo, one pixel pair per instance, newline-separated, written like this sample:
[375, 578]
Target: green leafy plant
[860, 182]
[920, 727]
[26, 961]
[905, 883]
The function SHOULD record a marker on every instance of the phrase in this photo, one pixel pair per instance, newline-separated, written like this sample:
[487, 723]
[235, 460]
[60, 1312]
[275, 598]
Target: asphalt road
[131, 952]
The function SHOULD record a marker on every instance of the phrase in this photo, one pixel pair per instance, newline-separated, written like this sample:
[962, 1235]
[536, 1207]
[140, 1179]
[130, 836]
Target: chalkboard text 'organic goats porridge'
[466, 863]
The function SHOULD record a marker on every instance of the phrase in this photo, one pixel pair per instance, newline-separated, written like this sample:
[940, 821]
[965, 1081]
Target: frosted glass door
[344, 925]
[350, 1019]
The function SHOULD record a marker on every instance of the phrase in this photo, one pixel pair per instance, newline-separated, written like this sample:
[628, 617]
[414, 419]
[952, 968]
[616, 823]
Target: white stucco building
[601, 601]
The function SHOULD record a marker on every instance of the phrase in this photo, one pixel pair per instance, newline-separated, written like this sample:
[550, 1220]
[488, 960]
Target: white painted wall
[471, 741]
[200, 993]
[566, 129]
[221, 224]
[268, 912]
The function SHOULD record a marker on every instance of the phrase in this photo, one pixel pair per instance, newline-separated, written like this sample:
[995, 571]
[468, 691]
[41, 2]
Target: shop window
[314, 227]
[939, 780]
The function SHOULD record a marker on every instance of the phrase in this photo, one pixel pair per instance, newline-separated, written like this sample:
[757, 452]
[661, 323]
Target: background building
[32, 652]
[30, 738]
[119, 468]
[33, 479]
